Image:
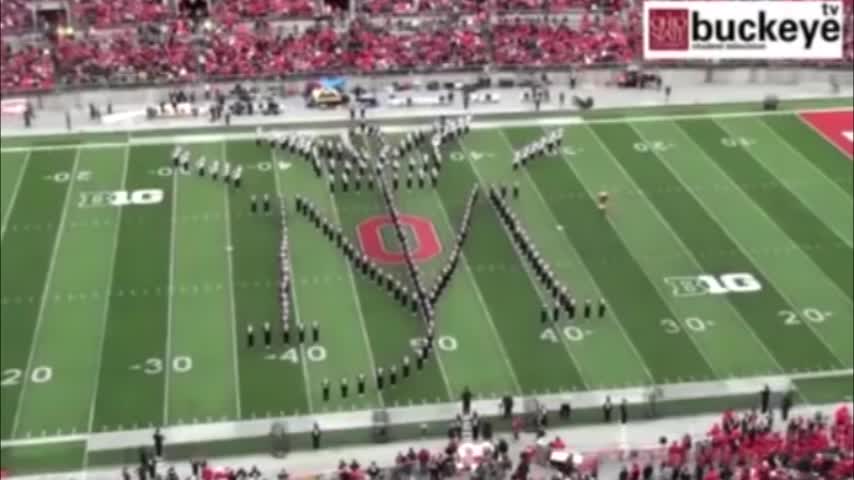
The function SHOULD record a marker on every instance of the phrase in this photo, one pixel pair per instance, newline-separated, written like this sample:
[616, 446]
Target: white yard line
[230, 284]
[530, 275]
[596, 285]
[105, 319]
[479, 295]
[689, 253]
[45, 291]
[14, 196]
[735, 238]
[167, 361]
[303, 357]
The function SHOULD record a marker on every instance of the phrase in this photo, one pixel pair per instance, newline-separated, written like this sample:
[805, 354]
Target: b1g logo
[692, 286]
[759, 30]
[427, 243]
[120, 198]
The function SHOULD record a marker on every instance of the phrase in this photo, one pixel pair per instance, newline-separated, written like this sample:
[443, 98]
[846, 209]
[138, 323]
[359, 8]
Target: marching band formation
[563, 301]
[181, 162]
[416, 159]
[548, 144]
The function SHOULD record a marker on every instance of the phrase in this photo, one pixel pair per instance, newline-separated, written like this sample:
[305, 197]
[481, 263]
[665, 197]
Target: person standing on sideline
[764, 398]
[143, 463]
[507, 402]
[315, 436]
[466, 396]
[158, 443]
[624, 411]
[607, 408]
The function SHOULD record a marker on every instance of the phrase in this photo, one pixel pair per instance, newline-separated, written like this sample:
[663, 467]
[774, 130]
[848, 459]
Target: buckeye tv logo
[745, 30]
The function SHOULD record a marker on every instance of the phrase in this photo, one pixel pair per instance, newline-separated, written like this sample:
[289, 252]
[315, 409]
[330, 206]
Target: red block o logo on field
[427, 244]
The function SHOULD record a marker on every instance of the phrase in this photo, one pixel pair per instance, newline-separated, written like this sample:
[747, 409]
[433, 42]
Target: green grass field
[121, 318]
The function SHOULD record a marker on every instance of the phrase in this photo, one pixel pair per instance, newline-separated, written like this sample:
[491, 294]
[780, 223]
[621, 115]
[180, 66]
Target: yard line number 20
[12, 377]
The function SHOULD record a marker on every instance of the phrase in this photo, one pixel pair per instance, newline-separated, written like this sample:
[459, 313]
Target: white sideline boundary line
[476, 124]
[203, 432]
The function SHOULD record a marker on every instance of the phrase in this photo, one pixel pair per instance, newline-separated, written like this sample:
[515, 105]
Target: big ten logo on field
[761, 30]
[373, 232]
[120, 198]
[692, 286]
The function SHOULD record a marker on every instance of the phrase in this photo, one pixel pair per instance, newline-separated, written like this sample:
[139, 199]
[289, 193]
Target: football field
[127, 289]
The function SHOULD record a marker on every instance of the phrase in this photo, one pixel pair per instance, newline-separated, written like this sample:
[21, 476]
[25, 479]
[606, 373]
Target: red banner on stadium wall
[836, 126]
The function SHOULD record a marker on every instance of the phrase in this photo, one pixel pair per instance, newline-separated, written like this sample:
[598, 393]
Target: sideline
[337, 127]
[348, 420]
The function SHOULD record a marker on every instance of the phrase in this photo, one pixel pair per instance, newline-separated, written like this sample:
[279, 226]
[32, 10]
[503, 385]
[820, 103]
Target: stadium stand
[416, 7]
[432, 45]
[546, 44]
[746, 447]
[16, 16]
[27, 68]
[230, 12]
[124, 58]
[114, 13]
[243, 52]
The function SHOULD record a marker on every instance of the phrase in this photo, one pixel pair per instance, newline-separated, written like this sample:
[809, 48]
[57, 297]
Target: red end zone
[836, 127]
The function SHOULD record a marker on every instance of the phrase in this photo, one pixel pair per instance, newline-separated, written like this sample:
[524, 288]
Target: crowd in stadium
[739, 446]
[146, 41]
[746, 447]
